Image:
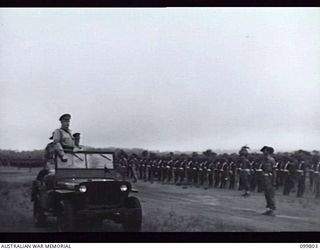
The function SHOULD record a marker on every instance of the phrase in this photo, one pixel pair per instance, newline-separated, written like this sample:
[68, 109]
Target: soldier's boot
[210, 183]
[230, 185]
[181, 180]
[246, 194]
[311, 184]
[269, 212]
[189, 180]
[164, 176]
[175, 178]
[196, 183]
[286, 189]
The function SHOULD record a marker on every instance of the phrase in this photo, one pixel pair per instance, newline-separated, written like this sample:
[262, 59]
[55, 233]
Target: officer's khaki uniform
[267, 167]
[62, 140]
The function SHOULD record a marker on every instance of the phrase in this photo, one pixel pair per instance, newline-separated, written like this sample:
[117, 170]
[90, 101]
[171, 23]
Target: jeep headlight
[123, 188]
[83, 188]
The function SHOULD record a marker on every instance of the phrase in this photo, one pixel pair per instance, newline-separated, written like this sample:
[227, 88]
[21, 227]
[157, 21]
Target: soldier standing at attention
[224, 173]
[253, 179]
[201, 172]
[63, 138]
[301, 178]
[169, 169]
[189, 171]
[132, 161]
[143, 163]
[290, 176]
[217, 174]
[195, 167]
[311, 174]
[245, 166]
[210, 173]
[285, 177]
[268, 163]
[252, 176]
[317, 180]
[232, 175]
[151, 166]
[163, 170]
[278, 174]
[259, 178]
[181, 173]
[175, 169]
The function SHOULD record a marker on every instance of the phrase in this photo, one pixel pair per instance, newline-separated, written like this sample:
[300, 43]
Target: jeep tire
[39, 217]
[133, 217]
[66, 217]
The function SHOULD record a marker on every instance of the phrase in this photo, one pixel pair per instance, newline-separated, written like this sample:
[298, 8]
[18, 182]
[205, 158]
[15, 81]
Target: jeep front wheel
[133, 217]
[39, 217]
[66, 217]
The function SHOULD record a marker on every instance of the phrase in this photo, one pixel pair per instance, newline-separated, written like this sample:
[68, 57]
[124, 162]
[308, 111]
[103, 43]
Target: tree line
[35, 158]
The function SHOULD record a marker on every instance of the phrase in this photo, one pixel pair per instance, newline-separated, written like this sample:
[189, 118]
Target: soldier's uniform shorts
[269, 192]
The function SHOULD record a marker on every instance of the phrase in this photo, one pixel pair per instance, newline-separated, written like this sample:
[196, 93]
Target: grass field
[170, 208]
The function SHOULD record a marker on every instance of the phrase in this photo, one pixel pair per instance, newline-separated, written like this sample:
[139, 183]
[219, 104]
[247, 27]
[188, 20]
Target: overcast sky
[166, 79]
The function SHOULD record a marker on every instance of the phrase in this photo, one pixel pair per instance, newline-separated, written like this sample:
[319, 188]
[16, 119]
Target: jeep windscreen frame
[84, 168]
[86, 160]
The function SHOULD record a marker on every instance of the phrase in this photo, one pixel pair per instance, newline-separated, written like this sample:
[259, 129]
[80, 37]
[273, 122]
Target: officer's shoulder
[56, 133]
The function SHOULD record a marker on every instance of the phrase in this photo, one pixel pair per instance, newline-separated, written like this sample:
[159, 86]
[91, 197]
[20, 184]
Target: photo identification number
[308, 245]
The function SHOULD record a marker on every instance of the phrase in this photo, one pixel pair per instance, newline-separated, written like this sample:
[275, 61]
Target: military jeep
[85, 188]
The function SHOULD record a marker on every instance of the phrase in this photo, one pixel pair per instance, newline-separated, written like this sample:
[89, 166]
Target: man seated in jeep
[77, 146]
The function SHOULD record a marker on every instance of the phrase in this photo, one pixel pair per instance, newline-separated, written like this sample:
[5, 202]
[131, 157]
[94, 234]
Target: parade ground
[171, 208]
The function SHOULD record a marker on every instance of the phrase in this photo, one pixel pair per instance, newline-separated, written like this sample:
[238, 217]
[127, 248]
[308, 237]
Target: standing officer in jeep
[63, 138]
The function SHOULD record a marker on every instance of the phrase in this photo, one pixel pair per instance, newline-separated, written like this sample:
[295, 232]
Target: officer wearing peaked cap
[63, 138]
[66, 117]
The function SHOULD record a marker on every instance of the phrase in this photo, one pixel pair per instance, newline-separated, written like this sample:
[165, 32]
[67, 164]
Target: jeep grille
[103, 193]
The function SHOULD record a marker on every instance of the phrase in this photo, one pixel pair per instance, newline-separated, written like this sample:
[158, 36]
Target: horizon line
[253, 150]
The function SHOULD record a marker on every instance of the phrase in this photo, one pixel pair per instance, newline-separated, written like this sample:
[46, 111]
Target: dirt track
[172, 208]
